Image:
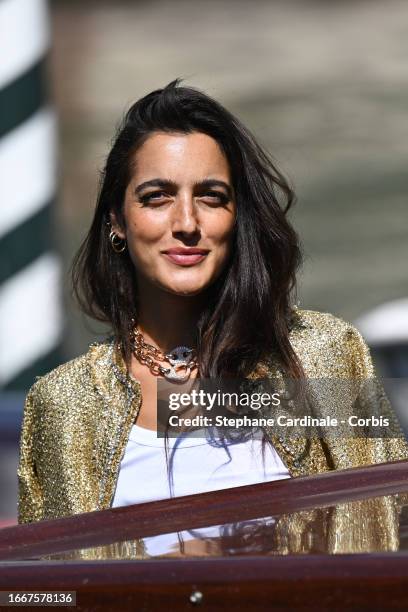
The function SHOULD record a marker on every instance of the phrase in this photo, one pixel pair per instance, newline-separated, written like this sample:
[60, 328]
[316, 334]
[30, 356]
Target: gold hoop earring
[117, 246]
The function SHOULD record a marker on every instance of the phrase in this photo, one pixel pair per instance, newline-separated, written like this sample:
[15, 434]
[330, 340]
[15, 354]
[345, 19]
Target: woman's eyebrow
[156, 182]
[207, 183]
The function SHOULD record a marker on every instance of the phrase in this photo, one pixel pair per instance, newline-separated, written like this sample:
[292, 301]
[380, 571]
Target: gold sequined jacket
[77, 420]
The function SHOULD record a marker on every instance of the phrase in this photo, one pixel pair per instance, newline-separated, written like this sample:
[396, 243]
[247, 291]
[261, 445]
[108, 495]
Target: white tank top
[197, 467]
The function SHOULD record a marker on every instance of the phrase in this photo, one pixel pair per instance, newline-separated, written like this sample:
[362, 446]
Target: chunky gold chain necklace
[182, 359]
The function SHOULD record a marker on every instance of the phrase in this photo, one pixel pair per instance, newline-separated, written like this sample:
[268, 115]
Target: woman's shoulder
[76, 371]
[321, 323]
[329, 344]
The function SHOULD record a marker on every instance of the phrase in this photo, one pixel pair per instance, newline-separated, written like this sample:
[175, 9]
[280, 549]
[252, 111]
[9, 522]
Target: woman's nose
[184, 215]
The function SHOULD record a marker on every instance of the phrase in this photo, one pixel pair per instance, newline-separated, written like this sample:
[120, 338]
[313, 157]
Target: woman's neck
[167, 320]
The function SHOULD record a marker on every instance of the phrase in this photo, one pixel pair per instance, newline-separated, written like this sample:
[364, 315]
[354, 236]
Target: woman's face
[180, 197]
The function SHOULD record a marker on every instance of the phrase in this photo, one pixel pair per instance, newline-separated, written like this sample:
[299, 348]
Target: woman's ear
[116, 226]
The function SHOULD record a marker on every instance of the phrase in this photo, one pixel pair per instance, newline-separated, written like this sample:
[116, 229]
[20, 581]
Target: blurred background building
[323, 85]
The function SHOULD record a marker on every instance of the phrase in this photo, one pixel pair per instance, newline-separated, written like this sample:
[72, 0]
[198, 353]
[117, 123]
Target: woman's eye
[216, 195]
[155, 195]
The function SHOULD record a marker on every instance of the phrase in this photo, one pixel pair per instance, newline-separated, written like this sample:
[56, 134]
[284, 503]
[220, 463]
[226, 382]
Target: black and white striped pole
[30, 293]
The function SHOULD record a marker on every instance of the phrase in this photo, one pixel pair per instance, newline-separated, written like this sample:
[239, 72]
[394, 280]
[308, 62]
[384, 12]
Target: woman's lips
[183, 259]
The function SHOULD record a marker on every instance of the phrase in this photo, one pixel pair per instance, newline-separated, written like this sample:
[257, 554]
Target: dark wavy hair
[248, 314]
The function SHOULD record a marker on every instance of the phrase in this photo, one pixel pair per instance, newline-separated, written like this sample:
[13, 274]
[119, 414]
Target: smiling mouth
[186, 259]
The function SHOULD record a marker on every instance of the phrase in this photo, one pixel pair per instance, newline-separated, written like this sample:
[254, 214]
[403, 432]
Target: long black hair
[249, 310]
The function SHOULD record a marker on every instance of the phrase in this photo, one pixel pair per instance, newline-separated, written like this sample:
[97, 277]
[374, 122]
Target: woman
[192, 261]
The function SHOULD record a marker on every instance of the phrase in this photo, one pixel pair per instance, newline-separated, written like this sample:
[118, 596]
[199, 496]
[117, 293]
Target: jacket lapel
[120, 399]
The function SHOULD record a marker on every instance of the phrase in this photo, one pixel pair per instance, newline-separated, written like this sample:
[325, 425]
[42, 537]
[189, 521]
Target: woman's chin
[187, 290]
